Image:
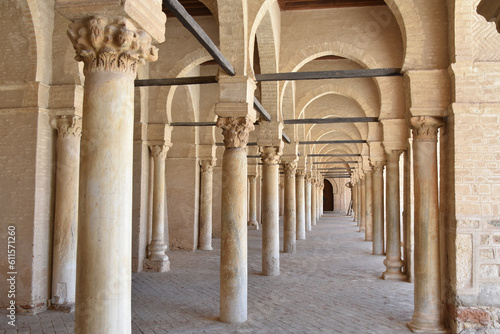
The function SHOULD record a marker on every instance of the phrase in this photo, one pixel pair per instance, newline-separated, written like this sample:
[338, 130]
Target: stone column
[393, 262]
[252, 223]
[358, 202]
[282, 198]
[270, 210]
[369, 205]
[233, 260]
[378, 208]
[320, 200]
[362, 221]
[69, 131]
[205, 239]
[354, 201]
[314, 206]
[300, 202]
[308, 202]
[427, 316]
[111, 50]
[158, 261]
[289, 221]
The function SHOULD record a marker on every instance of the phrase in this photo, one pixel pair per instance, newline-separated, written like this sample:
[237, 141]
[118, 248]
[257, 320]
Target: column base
[68, 308]
[253, 225]
[423, 326]
[394, 276]
[206, 248]
[159, 266]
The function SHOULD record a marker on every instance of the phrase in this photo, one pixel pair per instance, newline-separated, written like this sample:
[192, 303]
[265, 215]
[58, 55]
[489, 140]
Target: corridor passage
[331, 285]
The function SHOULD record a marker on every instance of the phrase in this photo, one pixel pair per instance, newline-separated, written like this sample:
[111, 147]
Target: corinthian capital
[235, 131]
[271, 154]
[67, 126]
[301, 173]
[425, 128]
[159, 151]
[207, 166]
[113, 45]
[378, 167]
[290, 168]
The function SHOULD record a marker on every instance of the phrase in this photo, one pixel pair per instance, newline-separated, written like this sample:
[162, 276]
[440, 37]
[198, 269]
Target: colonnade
[103, 265]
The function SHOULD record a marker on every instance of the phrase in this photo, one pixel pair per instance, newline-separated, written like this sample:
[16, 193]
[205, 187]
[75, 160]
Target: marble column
[378, 208]
[300, 203]
[111, 50]
[233, 259]
[289, 221]
[354, 201]
[369, 205]
[362, 221]
[358, 202]
[270, 210]
[427, 315]
[320, 200]
[158, 261]
[69, 131]
[308, 202]
[205, 239]
[252, 223]
[393, 262]
[314, 194]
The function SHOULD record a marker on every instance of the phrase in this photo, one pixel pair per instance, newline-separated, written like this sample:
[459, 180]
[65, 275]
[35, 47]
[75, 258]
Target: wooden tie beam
[332, 120]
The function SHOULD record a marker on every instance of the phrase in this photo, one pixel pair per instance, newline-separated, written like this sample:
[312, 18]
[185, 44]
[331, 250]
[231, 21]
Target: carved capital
[67, 126]
[252, 178]
[290, 168]
[378, 167]
[159, 151]
[235, 131]
[113, 45]
[270, 154]
[308, 178]
[425, 128]
[207, 166]
[301, 173]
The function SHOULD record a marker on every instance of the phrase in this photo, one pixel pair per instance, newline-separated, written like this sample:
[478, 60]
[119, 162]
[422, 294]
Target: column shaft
[314, 207]
[362, 223]
[300, 202]
[66, 212]
[252, 222]
[427, 316]
[270, 211]
[369, 206]
[289, 234]
[393, 261]
[308, 203]
[378, 209]
[233, 260]
[205, 239]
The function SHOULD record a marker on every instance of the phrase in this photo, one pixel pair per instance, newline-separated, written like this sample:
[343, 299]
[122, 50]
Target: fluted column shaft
[69, 131]
[111, 50]
[252, 223]
[369, 206]
[290, 224]
[378, 208]
[393, 261]
[233, 260]
[427, 315]
[157, 260]
[205, 239]
[270, 211]
[362, 223]
[308, 202]
[300, 203]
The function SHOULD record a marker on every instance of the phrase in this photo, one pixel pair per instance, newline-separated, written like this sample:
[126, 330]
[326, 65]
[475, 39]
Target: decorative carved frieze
[235, 131]
[110, 45]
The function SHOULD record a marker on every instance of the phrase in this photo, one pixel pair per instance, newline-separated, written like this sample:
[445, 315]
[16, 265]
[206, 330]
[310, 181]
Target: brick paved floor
[331, 285]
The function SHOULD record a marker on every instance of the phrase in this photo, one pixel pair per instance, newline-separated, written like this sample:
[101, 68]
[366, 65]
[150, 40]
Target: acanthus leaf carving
[235, 131]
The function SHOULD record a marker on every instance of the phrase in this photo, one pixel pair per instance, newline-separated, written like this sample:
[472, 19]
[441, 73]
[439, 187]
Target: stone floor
[331, 285]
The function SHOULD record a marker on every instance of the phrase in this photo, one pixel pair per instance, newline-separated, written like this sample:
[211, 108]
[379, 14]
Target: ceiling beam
[338, 74]
[334, 155]
[332, 142]
[335, 162]
[193, 124]
[263, 112]
[332, 120]
[187, 21]
[335, 168]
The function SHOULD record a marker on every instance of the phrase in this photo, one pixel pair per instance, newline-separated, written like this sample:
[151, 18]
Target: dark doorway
[328, 196]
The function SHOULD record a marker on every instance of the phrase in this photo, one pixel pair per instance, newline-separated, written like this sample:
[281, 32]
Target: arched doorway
[328, 196]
